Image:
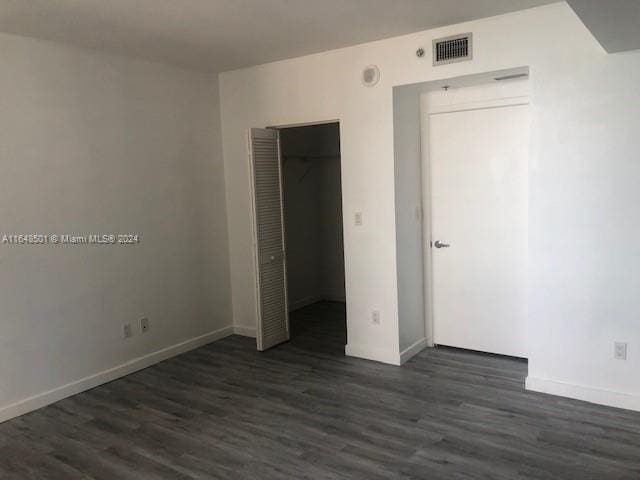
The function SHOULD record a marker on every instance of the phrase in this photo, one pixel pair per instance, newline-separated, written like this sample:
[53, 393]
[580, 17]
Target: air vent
[457, 48]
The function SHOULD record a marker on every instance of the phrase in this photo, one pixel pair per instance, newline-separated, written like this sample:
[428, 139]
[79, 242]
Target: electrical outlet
[358, 218]
[375, 317]
[126, 330]
[620, 352]
[144, 325]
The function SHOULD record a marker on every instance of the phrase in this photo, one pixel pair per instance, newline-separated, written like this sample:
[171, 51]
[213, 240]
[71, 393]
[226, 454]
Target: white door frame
[425, 113]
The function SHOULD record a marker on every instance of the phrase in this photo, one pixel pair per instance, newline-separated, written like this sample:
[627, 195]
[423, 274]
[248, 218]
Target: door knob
[439, 244]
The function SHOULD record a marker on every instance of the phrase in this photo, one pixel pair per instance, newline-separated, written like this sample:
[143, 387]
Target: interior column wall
[409, 220]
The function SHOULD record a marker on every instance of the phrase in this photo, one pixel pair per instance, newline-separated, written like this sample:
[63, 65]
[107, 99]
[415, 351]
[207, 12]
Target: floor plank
[304, 410]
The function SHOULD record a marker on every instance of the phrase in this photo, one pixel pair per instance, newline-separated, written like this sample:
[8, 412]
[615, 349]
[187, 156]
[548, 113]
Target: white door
[273, 314]
[479, 164]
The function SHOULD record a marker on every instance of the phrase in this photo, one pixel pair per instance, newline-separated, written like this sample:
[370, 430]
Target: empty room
[338, 239]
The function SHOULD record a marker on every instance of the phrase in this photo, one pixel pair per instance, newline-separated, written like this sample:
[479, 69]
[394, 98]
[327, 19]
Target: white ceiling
[615, 23]
[219, 35]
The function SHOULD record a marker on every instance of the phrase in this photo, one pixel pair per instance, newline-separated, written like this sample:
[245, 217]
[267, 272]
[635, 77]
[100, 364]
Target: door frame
[254, 231]
[426, 111]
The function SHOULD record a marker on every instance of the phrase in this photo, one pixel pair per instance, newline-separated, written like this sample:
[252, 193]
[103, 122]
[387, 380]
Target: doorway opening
[461, 163]
[298, 241]
[314, 242]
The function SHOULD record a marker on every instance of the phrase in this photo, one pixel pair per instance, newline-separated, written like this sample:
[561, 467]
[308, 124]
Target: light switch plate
[620, 352]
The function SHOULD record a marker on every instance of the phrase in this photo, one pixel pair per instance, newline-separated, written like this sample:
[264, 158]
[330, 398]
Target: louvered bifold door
[273, 315]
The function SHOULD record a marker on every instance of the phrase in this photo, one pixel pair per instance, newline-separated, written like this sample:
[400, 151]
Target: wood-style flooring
[304, 411]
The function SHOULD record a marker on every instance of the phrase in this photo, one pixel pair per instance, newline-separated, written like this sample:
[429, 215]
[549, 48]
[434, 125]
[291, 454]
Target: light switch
[358, 220]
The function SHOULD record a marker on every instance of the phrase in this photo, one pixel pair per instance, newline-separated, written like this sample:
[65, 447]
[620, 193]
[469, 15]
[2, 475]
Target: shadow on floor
[320, 327]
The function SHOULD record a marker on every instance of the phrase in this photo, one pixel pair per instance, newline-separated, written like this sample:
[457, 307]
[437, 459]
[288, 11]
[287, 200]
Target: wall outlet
[358, 218]
[375, 317]
[126, 331]
[620, 351]
[144, 325]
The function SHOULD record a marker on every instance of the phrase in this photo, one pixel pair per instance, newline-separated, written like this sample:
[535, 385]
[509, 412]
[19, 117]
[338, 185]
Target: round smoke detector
[370, 75]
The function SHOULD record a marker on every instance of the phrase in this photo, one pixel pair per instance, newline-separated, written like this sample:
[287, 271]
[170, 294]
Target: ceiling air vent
[457, 48]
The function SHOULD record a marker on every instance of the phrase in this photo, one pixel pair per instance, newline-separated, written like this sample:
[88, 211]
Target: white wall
[92, 143]
[408, 202]
[584, 241]
[313, 217]
[583, 186]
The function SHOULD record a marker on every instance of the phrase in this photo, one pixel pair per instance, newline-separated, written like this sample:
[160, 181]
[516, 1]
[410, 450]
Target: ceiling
[219, 35]
[615, 23]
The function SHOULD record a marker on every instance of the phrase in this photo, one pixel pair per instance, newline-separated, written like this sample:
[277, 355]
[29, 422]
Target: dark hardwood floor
[303, 410]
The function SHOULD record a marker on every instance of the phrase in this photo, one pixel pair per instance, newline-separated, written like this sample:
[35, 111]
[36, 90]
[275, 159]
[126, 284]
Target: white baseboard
[377, 354]
[581, 392]
[413, 350]
[46, 398]
[245, 331]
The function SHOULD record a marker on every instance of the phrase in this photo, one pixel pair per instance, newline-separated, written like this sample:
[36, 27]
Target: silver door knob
[439, 244]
